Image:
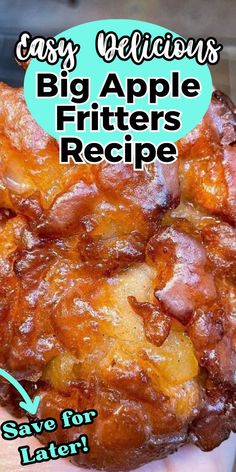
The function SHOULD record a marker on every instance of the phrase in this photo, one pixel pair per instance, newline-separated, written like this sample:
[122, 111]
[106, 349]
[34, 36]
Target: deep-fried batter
[118, 288]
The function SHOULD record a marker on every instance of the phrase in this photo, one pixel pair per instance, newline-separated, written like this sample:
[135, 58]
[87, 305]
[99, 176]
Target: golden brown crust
[116, 297]
[207, 160]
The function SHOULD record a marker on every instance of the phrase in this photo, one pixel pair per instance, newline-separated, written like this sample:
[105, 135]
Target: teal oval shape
[91, 65]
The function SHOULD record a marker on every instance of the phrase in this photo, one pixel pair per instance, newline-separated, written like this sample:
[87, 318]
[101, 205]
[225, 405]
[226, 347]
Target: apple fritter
[118, 289]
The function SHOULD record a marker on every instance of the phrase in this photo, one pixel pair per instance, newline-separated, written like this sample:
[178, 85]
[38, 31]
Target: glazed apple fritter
[118, 288]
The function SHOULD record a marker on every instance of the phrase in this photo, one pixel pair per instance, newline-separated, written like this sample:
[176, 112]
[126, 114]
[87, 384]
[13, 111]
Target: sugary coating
[112, 210]
[118, 289]
[208, 167]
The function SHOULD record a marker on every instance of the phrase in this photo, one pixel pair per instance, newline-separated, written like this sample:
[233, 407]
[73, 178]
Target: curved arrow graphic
[28, 405]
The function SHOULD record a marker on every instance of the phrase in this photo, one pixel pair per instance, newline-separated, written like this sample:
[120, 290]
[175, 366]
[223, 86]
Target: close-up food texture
[118, 289]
